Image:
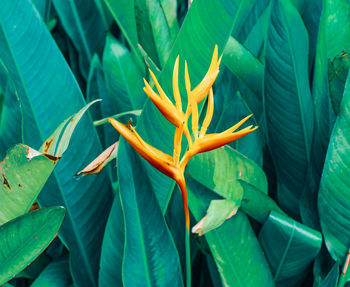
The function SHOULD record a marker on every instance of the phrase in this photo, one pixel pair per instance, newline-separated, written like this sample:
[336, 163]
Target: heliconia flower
[173, 166]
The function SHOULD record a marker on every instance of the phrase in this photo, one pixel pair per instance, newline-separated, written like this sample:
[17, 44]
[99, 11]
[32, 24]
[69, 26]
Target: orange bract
[172, 166]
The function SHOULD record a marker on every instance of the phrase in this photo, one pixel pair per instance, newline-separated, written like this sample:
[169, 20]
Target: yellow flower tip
[187, 80]
[236, 126]
[176, 90]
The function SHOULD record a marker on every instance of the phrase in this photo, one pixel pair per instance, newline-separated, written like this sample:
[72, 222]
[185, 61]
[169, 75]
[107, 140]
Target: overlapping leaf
[288, 103]
[24, 238]
[49, 94]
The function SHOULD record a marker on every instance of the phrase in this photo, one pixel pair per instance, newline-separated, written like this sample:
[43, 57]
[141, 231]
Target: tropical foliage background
[119, 221]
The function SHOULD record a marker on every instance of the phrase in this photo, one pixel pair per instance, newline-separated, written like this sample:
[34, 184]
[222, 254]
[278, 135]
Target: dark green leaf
[24, 172]
[123, 12]
[84, 25]
[195, 43]
[150, 256]
[337, 73]
[56, 274]
[289, 247]
[123, 79]
[333, 198]
[288, 102]
[234, 246]
[113, 247]
[24, 238]
[49, 94]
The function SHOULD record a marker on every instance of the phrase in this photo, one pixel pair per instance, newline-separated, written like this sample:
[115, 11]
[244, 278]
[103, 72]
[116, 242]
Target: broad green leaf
[334, 30]
[233, 176]
[229, 110]
[220, 169]
[289, 247]
[333, 198]
[144, 29]
[24, 238]
[170, 11]
[56, 274]
[234, 246]
[113, 247]
[244, 65]
[312, 19]
[96, 89]
[331, 279]
[10, 116]
[84, 25]
[337, 73]
[123, 12]
[219, 210]
[160, 30]
[105, 13]
[288, 102]
[150, 256]
[44, 8]
[24, 172]
[35, 268]
[49, 94]
[322, 266]
[123, 78]
[195, 43]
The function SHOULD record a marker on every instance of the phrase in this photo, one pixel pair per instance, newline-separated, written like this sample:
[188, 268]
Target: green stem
[105, 120]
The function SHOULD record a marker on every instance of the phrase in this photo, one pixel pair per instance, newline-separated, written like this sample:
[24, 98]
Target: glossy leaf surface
[234, 246]
[289, 247]
[24, 238]
[288, 103]
[84, 25]
[56, 274]
[150, 256]
[24, 172]
[333, 198]
[39, 83]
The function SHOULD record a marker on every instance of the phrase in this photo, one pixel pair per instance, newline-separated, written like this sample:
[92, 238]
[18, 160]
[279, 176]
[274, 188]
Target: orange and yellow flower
[199, 142]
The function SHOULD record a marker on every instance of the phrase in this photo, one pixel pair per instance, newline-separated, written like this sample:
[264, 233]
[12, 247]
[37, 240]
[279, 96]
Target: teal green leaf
[231, 110]
[233, 176]
[24, 172]
[84, 25]
[44, 8]
[56, 274]
[195, 43]
[144, 29]
[105, 13]
[123, 12]
[219, 210]
[333, 32]
[113, 247]
[289, 247]
[170, 11]
[337, 73]
[288, 102]
[160, 31]
[35, 268]
[331, 280]
[123, 78]
[234, 246]
[150, 255]
[10, 115]
[41, 76]
[333, 199]
[24, 238]
[96, 89]
[245, 66]
[220, 169]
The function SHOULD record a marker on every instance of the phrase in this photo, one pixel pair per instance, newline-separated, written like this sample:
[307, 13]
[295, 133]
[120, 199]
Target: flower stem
[183, 188]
